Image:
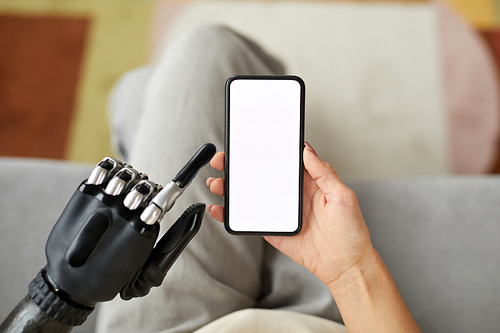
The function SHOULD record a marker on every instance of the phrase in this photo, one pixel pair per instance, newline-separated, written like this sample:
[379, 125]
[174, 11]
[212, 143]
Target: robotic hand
[104, 244]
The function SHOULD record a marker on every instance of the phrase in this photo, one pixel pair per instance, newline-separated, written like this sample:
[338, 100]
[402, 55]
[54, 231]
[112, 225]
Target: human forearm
[335, 245]
[369, 300]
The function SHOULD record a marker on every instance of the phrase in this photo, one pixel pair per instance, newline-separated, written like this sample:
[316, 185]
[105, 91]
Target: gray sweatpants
[160, 116]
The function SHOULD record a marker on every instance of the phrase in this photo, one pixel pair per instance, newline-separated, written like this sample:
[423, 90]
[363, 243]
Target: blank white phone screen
[264, 155]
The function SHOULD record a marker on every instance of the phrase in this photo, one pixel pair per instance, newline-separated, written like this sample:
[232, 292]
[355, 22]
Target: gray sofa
[33, 194]
[439, 236]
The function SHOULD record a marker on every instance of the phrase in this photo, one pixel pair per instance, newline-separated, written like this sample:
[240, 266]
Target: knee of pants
[209, 38]
[210, 30]
[218, 43]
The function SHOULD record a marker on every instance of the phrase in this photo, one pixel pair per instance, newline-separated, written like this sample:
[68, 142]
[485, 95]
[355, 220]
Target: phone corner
[226, 222]
[298, 79]
[231, 79]
[297, 231]
[229, 230]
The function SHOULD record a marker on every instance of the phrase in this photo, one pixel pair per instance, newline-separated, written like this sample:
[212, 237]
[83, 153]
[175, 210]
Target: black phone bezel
[227, 143]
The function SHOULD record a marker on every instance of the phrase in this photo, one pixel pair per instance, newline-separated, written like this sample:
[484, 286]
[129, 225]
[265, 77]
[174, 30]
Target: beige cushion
[262, 320]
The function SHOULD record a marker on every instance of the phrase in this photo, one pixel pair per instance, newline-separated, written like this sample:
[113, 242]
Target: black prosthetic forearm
[27, 317]
[104, 244]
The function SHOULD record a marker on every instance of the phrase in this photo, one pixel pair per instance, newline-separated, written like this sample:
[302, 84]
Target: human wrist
[368, 299]
[359, 275]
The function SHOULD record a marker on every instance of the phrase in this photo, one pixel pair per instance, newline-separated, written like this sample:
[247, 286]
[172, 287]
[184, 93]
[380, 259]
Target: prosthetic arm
[104, 244]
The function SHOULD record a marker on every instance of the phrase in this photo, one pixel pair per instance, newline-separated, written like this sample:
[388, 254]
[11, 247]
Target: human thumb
[322, 172]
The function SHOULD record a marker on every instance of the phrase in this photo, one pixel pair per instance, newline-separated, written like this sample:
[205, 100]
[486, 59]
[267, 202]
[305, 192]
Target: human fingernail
[310, 148]
[210, 180]
[209, 207]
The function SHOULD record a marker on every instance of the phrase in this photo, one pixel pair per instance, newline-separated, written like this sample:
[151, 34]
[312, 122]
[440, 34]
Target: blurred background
[395, 88]
[59, 60]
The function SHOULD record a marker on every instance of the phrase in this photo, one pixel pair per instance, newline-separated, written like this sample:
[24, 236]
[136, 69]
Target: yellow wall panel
[481, 13]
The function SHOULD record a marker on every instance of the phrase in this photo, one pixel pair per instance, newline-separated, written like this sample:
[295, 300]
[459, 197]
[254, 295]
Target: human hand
[334, 238]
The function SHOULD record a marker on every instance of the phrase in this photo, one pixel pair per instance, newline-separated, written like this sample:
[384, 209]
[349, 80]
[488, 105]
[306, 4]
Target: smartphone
[264, 141]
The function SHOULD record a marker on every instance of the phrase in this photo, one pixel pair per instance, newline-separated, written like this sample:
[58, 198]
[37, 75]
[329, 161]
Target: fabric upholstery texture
[33, 194]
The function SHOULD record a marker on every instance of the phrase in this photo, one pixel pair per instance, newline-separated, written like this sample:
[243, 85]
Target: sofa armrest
[33, 193]
[440, 239]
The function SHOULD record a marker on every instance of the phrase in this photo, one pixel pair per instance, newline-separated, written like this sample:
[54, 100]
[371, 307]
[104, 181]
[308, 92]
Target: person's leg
[218, 273]
[128, 97]
[125, 108]
[183, 108]
[288, 286]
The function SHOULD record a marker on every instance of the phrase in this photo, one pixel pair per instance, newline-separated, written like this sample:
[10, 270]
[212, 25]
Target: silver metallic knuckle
[125, 179]
[166, 198]
[104, 170]
[162, 203]
[151, 214]
[140, 194]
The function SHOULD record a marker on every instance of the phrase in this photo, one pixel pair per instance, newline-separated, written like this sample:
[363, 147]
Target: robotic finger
[141, 194]
[164, 201]
[106, 169]
[165, 253]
